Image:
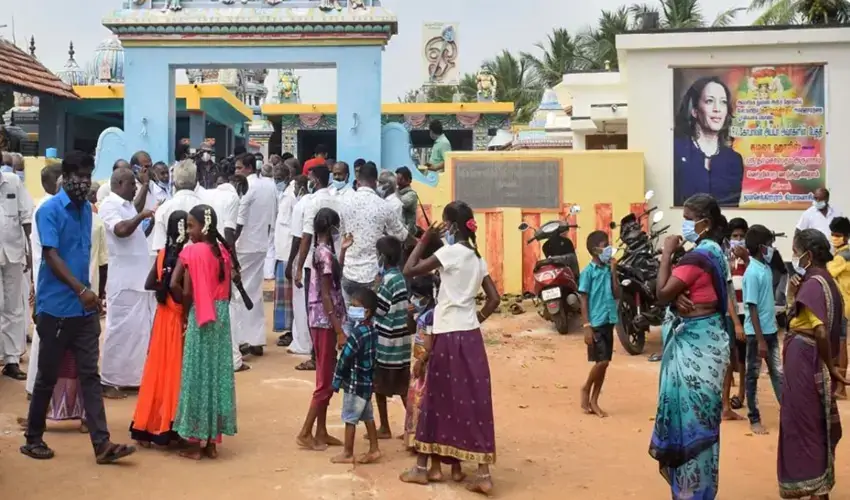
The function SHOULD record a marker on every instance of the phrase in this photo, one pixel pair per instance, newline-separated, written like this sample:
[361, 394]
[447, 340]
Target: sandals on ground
[111, 453]
[307, 366]
[38, 451]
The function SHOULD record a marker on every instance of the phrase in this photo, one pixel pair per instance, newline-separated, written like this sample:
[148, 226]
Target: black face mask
[77, 189]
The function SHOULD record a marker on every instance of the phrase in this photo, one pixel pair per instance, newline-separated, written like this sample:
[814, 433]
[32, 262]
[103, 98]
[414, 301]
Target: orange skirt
[160, 388]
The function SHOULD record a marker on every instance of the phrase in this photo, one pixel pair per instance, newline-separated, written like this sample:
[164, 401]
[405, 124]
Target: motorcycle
[556, 276]
[637, 270]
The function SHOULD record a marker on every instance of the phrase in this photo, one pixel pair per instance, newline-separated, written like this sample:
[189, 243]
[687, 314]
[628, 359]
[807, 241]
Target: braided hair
[705, 207]
[459, 214]
[176, 237]
[326, 220]
[208, 219]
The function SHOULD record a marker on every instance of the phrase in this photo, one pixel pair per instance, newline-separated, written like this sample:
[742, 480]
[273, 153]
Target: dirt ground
[547, 449]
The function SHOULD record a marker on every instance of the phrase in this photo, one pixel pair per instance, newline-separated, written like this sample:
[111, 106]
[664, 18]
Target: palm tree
[467, 88]
[600, 43]
[778, 12]
[562, 53]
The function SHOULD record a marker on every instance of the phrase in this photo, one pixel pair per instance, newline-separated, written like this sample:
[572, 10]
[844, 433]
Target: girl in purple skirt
[456, 415]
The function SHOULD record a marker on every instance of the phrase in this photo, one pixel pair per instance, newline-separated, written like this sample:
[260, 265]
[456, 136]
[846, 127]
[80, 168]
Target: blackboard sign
[524, 183]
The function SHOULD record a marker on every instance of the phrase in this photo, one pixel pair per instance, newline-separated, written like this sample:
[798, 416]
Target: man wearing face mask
[130, 307]
[159, 183]
[387, 191]
[207, 171]
[339, 184]
[16, 210]
[257, 211]
[66, 310]
[283, 247]
[819, 215]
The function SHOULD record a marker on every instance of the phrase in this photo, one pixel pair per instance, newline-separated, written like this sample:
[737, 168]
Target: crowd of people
[175, 259]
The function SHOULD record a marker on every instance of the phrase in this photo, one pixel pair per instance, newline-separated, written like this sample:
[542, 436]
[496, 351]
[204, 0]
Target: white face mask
[206, 157]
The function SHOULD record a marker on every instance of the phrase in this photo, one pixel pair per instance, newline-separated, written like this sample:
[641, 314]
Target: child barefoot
[598, 287]
[354, 372]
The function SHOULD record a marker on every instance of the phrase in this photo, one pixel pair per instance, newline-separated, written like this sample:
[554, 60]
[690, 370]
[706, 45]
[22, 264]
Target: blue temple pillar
[358, 133]
[149, 114]
[197, 128]
[51, 126]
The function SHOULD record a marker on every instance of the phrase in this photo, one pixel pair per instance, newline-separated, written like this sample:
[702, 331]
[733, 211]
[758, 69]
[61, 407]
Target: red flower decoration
[472, 225]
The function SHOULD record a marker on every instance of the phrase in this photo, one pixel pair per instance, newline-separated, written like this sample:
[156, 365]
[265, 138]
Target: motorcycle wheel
[560, 320]
[633, 340]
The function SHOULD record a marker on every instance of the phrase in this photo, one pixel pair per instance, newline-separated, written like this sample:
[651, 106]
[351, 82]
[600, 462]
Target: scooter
[556, 276]
[637, 271]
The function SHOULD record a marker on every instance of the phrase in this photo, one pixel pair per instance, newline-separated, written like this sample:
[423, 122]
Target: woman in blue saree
[696, 343]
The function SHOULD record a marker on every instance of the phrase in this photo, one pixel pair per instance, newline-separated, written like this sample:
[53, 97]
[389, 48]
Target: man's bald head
[142, 159]
[18, 162]
[123, 183]
[120, 163]
[6, 158]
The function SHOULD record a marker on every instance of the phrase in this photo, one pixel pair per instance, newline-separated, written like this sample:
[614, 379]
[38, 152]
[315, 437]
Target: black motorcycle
[637, 271]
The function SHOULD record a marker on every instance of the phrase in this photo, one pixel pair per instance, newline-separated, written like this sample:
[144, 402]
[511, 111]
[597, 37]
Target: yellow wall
[589, 178]
[32, 174]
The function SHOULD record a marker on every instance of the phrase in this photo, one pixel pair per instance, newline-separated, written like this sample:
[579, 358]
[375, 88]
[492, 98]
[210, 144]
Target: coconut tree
[516, 83]
[778, 12]
[467, 88]
[599, 44]
[562, 53]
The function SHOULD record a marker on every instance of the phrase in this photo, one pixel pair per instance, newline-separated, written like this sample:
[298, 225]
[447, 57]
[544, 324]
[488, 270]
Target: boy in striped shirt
[392, 373]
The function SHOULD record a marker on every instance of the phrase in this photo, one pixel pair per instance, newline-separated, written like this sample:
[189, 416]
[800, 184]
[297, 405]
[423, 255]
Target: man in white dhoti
[302, 343]
[283, 247]
[15, 259]
[51, 181]
[267, 172]
[129, 307]
[257, 211]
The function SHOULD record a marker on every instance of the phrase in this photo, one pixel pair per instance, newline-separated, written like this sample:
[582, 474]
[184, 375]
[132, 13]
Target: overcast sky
[486, 27]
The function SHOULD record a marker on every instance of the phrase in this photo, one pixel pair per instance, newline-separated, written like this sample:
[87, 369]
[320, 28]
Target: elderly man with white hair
[130, 308]
[387, 187]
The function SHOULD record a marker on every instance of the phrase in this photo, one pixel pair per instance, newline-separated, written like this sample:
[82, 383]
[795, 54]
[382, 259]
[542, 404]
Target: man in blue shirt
[760, 321]
[67, 310]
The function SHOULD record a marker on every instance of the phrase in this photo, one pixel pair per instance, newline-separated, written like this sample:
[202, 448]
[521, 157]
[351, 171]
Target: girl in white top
[458, 374]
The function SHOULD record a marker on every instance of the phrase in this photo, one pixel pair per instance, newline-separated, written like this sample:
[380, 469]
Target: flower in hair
[207, 221]
[181, 231]
[472, 225]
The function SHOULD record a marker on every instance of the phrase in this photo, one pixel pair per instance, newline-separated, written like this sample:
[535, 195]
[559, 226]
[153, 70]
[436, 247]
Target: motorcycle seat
[569, 261]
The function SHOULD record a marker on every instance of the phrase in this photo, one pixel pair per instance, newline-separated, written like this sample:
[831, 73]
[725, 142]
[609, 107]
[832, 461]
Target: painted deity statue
[356, 4]
[486, 85]
[288, 86]
[172, 5]
[329, 5]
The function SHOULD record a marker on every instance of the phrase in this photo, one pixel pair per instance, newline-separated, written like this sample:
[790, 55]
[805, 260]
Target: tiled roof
[20, 70]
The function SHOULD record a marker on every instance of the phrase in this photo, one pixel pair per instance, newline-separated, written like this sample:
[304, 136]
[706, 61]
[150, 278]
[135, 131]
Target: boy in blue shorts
[354, 374]
[760, 321]
[598, 288]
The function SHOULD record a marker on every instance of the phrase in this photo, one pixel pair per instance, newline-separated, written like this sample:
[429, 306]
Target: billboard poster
[439, 53]
[753, 137]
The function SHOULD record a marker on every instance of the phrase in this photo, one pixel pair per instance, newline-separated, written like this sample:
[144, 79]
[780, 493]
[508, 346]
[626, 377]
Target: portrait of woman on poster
[704, 161]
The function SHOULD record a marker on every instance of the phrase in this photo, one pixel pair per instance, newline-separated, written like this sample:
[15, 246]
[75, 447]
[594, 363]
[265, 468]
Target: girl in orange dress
[158, 395]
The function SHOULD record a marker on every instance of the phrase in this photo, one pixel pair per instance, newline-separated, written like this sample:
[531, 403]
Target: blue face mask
[689, 232]
[820, 205]
[768, 254]
[419, 303]
[733, 244]
[606, 254]
[356, 313]
[450, 238]
[339, 185]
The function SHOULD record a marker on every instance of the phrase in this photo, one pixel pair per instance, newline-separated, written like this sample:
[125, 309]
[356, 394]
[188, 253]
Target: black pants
[81, 335]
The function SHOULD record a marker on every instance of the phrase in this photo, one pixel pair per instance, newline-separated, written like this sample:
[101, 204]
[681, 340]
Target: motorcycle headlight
[544, 276]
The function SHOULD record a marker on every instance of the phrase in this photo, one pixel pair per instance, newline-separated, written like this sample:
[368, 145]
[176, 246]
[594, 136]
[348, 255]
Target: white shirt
[813, 218]
[283, 224]
[257, 211]
[103, 191]
[461, 274]
[296, 227]
[157, 194]
[225, 202]
[368, 218]
[395, 203]
[16, 208]
[323, 198]
[35, 241]
[183, 199]
[129, 262]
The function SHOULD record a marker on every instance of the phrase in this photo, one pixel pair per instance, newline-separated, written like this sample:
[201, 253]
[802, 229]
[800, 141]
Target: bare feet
[382, 434]
[457, 474]
[759, 429]
[435, 475]
[211, 451]
[416, 475]
[306, 442]
[369, 457]
[596, 410]
[143, 444]
[343, 458]
[585, 400]
[481, 484]
[192, 453]
[325, 441]
[731, 415]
